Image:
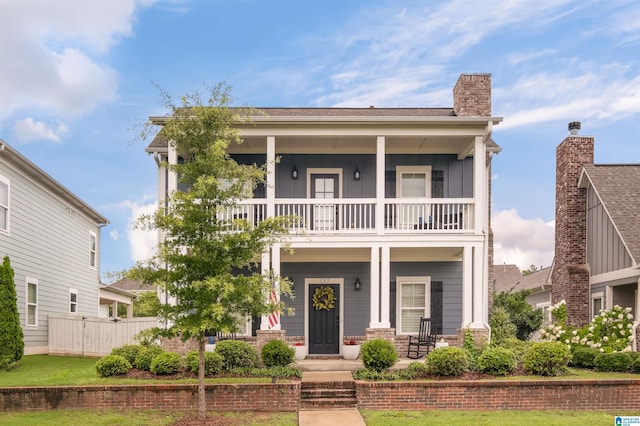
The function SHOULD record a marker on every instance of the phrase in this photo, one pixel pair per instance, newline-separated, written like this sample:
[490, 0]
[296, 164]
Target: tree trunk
[202, 407]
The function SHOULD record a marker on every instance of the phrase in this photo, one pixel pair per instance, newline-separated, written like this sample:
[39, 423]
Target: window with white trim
[93, 249]
[32, 302]
[597, 303]
[73, 301]
[414, 302]
[4, 204]
[546, 312]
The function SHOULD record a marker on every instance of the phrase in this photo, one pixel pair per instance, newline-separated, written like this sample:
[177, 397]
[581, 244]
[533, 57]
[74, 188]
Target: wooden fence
[89, 336]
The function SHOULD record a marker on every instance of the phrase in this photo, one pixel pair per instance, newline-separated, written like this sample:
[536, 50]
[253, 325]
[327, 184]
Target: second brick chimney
[472, 95]
[570, 279]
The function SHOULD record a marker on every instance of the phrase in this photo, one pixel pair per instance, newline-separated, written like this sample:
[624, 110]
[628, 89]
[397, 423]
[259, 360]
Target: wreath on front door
[323, 298]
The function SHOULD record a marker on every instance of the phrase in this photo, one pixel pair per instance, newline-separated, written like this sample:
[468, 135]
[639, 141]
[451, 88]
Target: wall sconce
[357, 285]
[294, 173]
[356, 174]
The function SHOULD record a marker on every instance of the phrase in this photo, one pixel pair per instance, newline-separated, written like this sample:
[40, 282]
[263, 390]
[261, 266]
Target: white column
[265, 266]
[380, 167]
[275, 269]
[480, 186]
[374, 292]
[467, 286]
[385, 278]
[172, 178]
[271, 176]
[478, 257]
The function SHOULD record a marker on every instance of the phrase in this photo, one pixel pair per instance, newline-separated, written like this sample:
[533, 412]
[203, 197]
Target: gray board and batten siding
[446, 292]
[49, 241]
[451, 178]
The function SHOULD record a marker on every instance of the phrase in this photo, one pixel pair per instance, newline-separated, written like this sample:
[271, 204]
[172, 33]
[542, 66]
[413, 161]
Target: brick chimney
[472, 95]
[570, 279]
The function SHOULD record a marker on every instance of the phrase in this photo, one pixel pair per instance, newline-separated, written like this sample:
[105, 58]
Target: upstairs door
[324, 318]
[413, 182]
[324, 186]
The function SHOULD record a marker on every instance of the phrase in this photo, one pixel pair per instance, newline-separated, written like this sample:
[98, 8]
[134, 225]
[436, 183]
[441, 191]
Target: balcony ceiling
[413, 254]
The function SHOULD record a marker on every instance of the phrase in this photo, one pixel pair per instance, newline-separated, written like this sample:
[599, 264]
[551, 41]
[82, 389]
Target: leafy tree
[533, 268]
[204, 247]
[146, 305]
[522, 315]
[11, 337]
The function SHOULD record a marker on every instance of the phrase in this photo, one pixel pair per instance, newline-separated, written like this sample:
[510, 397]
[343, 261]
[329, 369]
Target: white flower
[630, 338]
[620, 326]
[601, 349]
[630, 317]
[620, 316]
[605, 338]
[629, 325]
[566, 341]
[591, 329]
[627, 309]
[622, 332]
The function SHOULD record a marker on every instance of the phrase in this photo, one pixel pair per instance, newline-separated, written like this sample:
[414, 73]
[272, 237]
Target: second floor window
[4, 204]
[92, 249]
[73, 301]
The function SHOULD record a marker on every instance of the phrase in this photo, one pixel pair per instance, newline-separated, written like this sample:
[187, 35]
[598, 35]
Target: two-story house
[597, 260]
[394, 214]
[52, 239]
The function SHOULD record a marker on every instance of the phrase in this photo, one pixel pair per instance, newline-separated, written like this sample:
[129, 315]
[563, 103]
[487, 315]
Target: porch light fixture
[356, 174]
[294, 173]
[357, 285]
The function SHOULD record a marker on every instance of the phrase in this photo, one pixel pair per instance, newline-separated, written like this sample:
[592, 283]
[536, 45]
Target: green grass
[133, 418]
[497, 418]
[49, 370]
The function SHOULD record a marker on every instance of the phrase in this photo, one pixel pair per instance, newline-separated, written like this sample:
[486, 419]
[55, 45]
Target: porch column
[374, 293]
[385, 278]
[478, 269]
[265, 266]
[380, 166]
[275, 269]
[172, 178]
[271, 176]
[467, 286]
[480, 186]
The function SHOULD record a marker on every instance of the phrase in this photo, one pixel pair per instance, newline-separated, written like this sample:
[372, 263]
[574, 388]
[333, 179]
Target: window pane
[3, 218]
[4, 194]
[597, 306]
[411, 320]
[31, 315]
[413, 295]
[93, 243]
[33, 293]
[414, 184]
[73, 297]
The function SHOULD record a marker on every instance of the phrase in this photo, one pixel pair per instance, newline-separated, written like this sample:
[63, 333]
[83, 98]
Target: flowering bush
[298, 344]
[609, 331]
[351, 342]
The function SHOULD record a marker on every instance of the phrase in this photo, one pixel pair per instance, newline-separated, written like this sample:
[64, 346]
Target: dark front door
[324, 319]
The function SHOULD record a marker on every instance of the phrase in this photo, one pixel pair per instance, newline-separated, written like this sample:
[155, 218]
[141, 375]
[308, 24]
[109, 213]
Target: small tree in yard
[11, 337]
[522, 315]
[204, 246]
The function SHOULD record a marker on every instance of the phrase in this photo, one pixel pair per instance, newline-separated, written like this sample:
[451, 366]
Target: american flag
[274, 317]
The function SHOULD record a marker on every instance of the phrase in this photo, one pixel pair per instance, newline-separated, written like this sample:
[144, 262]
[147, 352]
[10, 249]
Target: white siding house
[52, 239]
[394, 214]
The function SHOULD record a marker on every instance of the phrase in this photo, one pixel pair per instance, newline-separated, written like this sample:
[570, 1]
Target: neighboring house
[508, 278]
[395, 214]
[52, 238]
[597, 231]
[111, 297]
[134, 287]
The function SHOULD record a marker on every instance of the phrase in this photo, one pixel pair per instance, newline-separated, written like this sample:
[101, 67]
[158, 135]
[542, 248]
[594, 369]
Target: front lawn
[50, 370]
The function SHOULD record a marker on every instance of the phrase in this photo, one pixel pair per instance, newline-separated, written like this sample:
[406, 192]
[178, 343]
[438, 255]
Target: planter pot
[350, 351]
[301, 352]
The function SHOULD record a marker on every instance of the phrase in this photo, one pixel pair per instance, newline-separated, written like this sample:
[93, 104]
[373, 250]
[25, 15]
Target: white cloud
[29, 130]
[54, 50]
[142, 243]
[523, 242]
[115, 235]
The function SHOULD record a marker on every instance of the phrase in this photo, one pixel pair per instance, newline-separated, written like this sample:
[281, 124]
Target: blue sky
[76, 76]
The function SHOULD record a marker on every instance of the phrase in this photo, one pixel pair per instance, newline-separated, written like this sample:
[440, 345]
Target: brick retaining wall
[552, 394]
[501, 395]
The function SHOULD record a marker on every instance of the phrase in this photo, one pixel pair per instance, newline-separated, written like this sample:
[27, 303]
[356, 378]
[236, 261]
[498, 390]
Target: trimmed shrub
[145, 356]
[129, 352]
[547, 358]
[583, 357]
[497, 362]
[518, 347]
[212, 362]
[11, 336]
[236, 353]
[166, 363]
[276, 353]
[635, 365]
[378, 355]
[615, 361]
[502, 328]
[112, 365]
[447, 361]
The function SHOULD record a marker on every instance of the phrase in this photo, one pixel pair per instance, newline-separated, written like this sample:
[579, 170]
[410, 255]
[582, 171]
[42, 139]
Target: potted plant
[301, 350]
[350, 349]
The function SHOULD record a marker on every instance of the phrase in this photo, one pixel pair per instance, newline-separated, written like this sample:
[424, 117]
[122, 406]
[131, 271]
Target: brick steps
[322, 395]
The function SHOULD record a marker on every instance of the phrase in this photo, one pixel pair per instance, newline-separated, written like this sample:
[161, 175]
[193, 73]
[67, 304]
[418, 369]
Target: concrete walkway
[337, 417]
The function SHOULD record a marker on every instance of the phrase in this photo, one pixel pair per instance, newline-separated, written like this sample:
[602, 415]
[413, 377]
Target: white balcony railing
[358, 215]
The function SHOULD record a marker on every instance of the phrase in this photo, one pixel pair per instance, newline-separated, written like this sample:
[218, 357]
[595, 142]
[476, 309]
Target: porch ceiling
[443, 144]
[399, 254]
